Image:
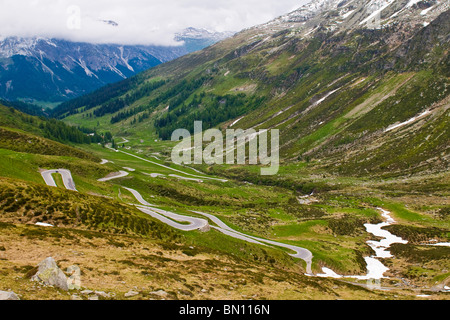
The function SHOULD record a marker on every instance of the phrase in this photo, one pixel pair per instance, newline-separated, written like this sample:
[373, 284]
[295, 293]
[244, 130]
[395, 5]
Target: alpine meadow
[305, 158]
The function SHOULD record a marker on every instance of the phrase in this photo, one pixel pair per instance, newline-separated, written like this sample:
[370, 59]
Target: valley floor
[331, 224]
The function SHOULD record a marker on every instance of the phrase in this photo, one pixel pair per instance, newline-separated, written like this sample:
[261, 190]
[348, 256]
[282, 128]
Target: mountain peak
[196, 33]
[62, 69]
[338, 15]
[110, 22]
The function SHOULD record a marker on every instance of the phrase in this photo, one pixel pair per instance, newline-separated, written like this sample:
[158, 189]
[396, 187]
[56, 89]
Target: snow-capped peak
[336, 15]
[194, 33]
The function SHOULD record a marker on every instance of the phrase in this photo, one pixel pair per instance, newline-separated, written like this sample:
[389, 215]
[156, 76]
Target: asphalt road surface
[66, 177]
[168, 217]
[185, 223]
[196, 223]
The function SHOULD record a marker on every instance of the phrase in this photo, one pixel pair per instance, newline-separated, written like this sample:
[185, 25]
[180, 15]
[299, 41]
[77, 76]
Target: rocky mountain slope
[117, 248]
[357, 86]
[53, 70]
[363, 118]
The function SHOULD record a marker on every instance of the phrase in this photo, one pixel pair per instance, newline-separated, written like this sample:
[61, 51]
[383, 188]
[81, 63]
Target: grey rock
[24, 57]
[131, 293]
[102, 294]
[160, 293]
[86, 292]
[205, 228]
[8, 295]
[51, 275]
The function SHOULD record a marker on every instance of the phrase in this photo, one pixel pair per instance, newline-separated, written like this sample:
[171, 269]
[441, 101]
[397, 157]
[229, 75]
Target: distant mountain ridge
[345, 15]
[54, 70]
[330, 79]
[196, 39]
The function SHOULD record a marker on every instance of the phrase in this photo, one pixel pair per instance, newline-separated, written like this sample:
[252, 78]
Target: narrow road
[300, 253]
[168, 217]
[167, 167]
[192, 223]
[196, 223]
[66, 177]
[120, 174]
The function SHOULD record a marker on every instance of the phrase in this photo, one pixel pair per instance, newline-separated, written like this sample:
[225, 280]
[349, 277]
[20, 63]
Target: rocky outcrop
[131, 293]
[49, 273]
[205, 228]
[8, 295]
[160, 293]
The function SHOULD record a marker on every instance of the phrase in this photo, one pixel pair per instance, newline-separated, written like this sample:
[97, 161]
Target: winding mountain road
[169, 168]
[300, 253]
[66, 177]
[168, 217]
[119, 174]
[197, 223]
[185, 223]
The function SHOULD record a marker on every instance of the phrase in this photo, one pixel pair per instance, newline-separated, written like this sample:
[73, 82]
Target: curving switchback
[186, 223]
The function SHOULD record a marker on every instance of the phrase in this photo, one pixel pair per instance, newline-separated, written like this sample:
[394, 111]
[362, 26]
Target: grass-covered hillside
[335, 96]
[118, 248]
[363, 118]
[51, 129]
[116, 245]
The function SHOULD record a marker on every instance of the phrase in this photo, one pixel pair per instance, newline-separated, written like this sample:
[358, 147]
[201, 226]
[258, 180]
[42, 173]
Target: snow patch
[375, 269]
[325, 97]
[379, 7]
[236, 121]
[423, 114]
[50, 43]
[328, 273]
[41, 224]
[9, 85]
[117, 71]
[125, 60]
[83, 65]
[411, 3]
[440, 244]
[425, 11]
[347, 14]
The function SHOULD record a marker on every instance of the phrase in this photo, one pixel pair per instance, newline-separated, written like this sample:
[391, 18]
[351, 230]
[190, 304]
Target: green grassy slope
[332, 96]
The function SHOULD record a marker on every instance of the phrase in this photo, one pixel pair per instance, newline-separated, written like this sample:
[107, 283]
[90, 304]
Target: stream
[375, 269]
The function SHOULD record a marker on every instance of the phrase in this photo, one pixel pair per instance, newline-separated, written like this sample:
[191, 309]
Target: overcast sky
[139, 21]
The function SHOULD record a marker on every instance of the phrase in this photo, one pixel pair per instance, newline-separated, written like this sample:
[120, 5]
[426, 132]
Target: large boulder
[205, 228]
[49, 273]
[131, 293]
[8, 295]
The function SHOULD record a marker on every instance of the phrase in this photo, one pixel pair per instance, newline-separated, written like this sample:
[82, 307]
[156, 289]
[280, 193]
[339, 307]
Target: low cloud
[133, 21]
